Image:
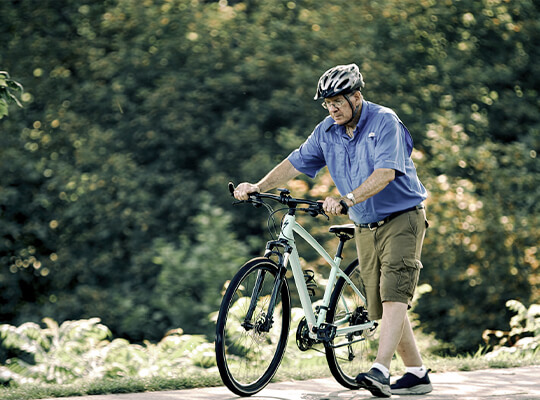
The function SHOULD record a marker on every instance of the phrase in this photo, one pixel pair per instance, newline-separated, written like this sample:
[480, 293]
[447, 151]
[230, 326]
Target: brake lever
[255, 203]
[320, 211]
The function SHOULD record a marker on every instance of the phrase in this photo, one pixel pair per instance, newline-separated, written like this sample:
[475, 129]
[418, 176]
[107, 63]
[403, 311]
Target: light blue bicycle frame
[288, 228]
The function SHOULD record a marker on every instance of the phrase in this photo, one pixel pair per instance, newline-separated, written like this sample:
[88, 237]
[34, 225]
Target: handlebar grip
[231, 188]
[344, 207]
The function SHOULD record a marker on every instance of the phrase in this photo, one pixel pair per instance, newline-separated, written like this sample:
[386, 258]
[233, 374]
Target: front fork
[266, 325]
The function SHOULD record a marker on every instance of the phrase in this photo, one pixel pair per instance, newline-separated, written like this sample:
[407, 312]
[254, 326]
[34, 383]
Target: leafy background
[113, 180]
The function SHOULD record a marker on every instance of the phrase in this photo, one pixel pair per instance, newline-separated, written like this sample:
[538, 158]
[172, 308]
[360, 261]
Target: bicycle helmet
[341, 79]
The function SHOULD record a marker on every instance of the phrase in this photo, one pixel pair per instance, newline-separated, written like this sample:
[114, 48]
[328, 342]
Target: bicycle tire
[248, 358]
[359, 345]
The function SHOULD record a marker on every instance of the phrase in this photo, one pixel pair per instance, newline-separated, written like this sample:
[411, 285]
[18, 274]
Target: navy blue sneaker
[411, 384]
[375, 382]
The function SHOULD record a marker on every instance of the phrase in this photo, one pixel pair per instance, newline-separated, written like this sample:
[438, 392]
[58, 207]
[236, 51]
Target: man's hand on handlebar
[333, 206]
[243, 190]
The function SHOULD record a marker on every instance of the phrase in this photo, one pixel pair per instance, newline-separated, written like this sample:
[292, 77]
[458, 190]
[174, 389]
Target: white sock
[382, 368]
[420, 372]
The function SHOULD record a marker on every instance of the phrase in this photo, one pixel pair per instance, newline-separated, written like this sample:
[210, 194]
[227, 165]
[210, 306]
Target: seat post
[344, 233]
[342, 241]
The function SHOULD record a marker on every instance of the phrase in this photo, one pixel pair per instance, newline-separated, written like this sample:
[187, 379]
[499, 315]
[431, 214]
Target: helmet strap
[355, 111]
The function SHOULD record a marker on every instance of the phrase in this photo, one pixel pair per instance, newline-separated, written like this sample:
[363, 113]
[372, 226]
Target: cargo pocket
[409, 275]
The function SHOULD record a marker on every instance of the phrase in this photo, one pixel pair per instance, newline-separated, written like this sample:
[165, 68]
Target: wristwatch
[350, 196]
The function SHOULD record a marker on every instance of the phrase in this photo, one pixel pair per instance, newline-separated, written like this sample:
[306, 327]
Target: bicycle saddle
[347, 228]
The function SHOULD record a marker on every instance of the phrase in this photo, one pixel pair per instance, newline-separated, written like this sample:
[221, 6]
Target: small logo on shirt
[371, 134]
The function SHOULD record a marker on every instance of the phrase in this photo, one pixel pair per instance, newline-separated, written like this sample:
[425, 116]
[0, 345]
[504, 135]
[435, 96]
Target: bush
[7, 86]
[524, 334]
[81, 350]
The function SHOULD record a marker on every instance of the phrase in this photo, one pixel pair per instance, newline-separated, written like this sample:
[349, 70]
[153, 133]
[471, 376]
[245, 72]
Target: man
[367, 150]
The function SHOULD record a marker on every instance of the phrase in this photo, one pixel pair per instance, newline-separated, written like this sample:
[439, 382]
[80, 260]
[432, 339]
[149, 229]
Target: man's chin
[339, 121]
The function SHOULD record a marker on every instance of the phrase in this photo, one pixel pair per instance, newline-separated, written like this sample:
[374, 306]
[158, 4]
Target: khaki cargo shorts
[389, 259]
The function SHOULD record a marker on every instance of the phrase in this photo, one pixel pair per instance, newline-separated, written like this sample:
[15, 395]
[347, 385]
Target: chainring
[303, 341]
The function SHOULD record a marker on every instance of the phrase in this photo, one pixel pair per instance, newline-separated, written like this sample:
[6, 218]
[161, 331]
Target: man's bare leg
[415, 381]
[407, 348]
[391, 331]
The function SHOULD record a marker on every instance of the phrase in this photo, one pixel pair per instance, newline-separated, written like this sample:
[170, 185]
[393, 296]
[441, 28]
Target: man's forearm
[377, 181]
[279, 176]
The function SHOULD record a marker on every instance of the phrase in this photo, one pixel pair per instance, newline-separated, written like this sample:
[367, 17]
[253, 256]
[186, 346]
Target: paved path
[496, 384]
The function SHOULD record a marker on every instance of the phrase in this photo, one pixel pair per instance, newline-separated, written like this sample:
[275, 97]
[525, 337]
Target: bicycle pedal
[326, 332]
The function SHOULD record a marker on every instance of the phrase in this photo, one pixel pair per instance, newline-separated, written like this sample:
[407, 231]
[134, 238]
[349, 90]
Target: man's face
[339, 107]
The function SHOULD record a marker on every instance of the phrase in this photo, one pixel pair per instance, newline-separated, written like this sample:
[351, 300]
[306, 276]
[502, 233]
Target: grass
[316, 370]
[109, 386]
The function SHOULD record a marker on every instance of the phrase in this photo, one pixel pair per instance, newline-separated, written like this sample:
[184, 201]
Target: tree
[135, 112]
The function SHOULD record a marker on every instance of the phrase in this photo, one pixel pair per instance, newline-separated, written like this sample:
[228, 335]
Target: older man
[367, 150]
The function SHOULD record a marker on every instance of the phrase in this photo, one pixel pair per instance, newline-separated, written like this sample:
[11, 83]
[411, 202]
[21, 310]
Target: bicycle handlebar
[314, 207]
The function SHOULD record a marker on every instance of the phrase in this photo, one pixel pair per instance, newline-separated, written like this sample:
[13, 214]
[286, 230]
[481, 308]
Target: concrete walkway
[497, 384]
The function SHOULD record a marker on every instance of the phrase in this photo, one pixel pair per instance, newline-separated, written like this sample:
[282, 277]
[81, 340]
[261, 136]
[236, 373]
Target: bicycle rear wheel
[248, 353]
[349, 355]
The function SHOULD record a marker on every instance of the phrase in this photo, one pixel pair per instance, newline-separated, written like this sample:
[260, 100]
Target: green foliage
[526, 321]
[481, 248]
[193, 273]
[524, 334]
[137, 113]
[59, 352]
[81, 350]
[7, 86]
[78, 351]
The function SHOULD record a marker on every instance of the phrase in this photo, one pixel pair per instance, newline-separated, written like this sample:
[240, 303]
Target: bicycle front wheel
[353, 353]
[249, 342]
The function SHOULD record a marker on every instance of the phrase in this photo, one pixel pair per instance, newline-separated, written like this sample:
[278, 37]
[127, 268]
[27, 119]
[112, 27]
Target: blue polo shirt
[380, 141]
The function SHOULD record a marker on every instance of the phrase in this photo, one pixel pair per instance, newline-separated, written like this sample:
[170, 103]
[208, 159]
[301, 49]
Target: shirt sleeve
[393, 146]
[309, 158]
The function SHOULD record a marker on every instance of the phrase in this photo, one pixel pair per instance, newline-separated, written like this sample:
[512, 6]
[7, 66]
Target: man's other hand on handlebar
[332, 206]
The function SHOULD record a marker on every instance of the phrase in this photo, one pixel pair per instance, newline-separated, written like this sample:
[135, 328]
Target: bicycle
[254, 318]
